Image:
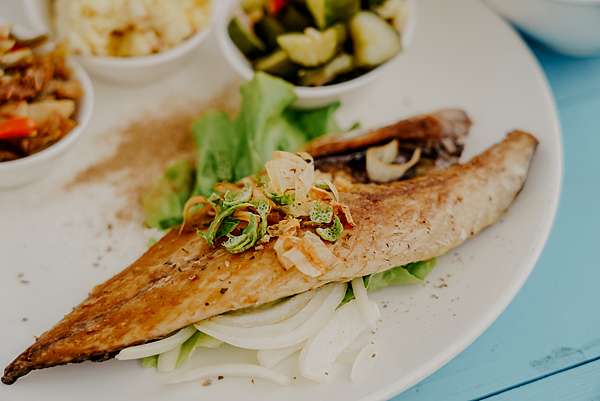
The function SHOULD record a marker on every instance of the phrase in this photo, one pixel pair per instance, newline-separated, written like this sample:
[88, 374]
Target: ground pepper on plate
[145, 146]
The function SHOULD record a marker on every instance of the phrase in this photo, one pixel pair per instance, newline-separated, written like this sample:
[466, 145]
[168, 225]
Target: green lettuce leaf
[260, 122]
[217, 142]
[199, 339]
[150, 361]
[412, 273]
[315, 122]
[230, 149]
[163, 203]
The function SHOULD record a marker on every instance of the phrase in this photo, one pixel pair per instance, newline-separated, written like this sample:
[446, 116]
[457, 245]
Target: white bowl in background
[127, 70]
[307, 96]
[23, 171]
[571, 27]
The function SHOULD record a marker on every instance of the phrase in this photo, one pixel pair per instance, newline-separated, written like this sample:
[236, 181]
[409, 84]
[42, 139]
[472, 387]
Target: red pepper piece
[17, 127]
[275, 6]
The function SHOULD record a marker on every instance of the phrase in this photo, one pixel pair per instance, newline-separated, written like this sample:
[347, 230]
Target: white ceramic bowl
[571, 27]
[128, 70]
[19, 172]
[307, 96]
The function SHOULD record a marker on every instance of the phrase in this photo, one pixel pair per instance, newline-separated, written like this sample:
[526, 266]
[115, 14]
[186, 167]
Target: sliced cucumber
[375, 40]
[311, 48]
[394, 11]
[294, 20]
[372, 3]
[252, 5]
[277, 63]
[327, 12]
[244, 38]
[341, 64]
[268, 29]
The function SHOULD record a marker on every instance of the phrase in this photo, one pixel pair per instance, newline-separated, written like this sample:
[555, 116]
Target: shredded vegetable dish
[38, 96]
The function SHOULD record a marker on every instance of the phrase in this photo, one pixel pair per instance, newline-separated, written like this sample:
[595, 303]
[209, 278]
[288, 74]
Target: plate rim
[495, 310]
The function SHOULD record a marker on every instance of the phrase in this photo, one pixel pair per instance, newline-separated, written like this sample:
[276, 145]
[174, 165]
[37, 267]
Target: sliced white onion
[370, 313]
[317, 249]
[349, 355]
[361, 363]
[271, 357]
[282, 245]
[290, 171]
[274, 314]
[327, 298]
[167, 361]
[156, 347]
[321, 351]
[379, 162]
[279, 328]
[301, 262]
[231, 370]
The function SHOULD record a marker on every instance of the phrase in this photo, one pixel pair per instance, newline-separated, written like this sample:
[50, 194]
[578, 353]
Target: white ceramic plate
[463, 56]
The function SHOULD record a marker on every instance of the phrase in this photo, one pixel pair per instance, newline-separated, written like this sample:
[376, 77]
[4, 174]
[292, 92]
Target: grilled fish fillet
[181, 280]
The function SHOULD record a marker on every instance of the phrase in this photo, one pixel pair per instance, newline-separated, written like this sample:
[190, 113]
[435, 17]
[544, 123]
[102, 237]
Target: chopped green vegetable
[150, 361]
[294, 20]
[211, 234]
[236, 197]
[277, 63]
[372, 3]
[253, 5]
[163, 203]
[244, 37]
[333, 233]
[375, 41]
[263, 208]
[393, 11]
[311, 48]
[268, 29]
[227, 226]
[341, 64]
[327, 12]
[282, 199]
[321, 212]
[247, 239]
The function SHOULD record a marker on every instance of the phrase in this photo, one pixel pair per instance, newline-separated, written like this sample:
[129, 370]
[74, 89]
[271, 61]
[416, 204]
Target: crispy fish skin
[449, 124]
[180, 280]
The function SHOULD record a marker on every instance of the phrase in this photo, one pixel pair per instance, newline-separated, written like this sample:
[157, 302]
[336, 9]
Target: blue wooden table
[546, 346]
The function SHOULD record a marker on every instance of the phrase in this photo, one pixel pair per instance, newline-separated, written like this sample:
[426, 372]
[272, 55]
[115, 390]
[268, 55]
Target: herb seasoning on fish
[278, 203]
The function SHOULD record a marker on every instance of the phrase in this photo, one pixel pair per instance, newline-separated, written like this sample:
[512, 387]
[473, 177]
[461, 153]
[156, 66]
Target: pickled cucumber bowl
[135, 68]
[327, 48]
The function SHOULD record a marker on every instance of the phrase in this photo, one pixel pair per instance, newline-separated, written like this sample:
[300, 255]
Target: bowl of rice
[125, 41]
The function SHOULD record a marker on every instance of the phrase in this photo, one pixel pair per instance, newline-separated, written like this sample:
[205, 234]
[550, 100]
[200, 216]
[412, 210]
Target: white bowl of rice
[125, 41]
